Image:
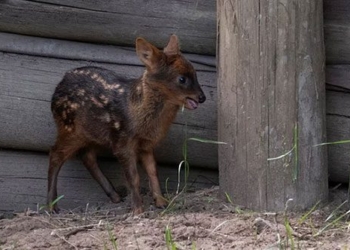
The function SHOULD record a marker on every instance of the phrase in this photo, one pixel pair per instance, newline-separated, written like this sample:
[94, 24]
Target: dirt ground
[198, 220]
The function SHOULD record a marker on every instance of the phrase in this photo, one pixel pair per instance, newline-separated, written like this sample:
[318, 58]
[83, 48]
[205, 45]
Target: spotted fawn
[95, 107]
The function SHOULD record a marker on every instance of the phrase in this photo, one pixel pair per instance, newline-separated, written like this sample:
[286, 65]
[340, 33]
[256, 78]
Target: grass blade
[169, 239]
[296, 151]
[306, 215]
[281, 156]
[332, 143]
[205, 140]
[332, 223]
[335, 210]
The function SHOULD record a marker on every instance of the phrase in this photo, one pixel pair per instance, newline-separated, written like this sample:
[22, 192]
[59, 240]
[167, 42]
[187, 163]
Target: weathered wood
[338, 121]
[338, 129]
[114, 22]
[29, 45]
[271, 79]
[338, 77]
[26, 86]
[23, 181]
[337, 31]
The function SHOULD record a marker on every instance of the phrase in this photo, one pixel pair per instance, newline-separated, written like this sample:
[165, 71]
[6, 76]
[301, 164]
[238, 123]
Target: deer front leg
[149, 164]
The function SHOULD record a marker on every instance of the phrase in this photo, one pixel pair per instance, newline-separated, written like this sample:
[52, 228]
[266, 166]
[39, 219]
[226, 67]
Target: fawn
[94, 106]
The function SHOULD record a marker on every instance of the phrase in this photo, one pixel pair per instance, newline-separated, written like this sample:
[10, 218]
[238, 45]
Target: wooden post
[271, 91]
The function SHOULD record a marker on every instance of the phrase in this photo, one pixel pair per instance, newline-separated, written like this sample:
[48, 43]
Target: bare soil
[198, 220]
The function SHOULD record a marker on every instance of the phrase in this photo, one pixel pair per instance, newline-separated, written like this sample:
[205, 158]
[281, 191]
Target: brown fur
[96, 107]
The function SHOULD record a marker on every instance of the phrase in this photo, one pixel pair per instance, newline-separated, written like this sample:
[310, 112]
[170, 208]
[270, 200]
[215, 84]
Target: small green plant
[186, 165]
[237, 209]
[308, 213]
[193, 247]
[289, 230]
[228, 197]
[185, 157]
[51, 204]
[333, 222]
[169, 239]
[111, 237]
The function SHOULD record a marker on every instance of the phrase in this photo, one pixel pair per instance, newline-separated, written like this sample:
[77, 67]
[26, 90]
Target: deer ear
[173, 47]
[147, 53]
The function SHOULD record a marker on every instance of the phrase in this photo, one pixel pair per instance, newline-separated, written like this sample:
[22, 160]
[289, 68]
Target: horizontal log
[338, 121]
[30, 45]
[115, 22]
[23, 181]
[338, 77]
[338, 129]
[337, 41]
[337, 31]
[26, 87]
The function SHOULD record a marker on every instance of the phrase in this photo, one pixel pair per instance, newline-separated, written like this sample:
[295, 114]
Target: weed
[169, 239]
[308, 213]
[111, 237]
[289, 230]
[51, 204]
[332, 223]
[193, 247]
[184, 163]
[237, 209]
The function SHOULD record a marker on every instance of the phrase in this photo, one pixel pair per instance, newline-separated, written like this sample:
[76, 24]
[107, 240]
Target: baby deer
[96, 107]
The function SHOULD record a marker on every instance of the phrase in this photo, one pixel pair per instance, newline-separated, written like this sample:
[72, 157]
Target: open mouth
[191, 104]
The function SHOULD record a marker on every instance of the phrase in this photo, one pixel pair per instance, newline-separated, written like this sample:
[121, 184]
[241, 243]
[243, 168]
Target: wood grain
[337, 31]
[120, 22]
[31, 45]
[114, 22]
[270, 79]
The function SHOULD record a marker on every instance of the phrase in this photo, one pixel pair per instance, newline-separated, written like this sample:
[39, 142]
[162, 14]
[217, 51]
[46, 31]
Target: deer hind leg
[59, 153]
[89, 160]
[128, 159]
[149, 164]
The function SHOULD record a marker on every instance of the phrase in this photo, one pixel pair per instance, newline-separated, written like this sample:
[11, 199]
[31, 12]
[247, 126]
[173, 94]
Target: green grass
[289, 230]
[169, 239]
[51, 204]
[308, 213]
[112, 238]
[184, 166]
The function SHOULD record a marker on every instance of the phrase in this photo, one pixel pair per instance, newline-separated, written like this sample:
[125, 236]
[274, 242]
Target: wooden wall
[23, 181]
[337, 40]
[114, 22]
[31, 67]
[40, 40]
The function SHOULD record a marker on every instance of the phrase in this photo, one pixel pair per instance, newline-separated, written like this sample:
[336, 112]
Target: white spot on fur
[117, 125]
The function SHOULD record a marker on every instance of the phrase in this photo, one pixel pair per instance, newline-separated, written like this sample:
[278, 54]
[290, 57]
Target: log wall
[23, 181]
[30, 69]
[31, 66]
[114, 22]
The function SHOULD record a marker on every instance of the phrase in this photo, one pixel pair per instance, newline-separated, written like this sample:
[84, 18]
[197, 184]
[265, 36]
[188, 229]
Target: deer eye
[182, 79]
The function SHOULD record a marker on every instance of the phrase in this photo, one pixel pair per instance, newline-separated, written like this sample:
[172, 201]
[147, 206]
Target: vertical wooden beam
[271, 90]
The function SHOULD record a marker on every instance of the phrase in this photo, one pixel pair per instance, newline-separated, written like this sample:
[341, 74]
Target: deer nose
[201, 98]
